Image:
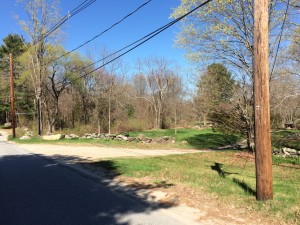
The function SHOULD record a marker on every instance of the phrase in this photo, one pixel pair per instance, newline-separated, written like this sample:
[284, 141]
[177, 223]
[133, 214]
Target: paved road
[36, 191]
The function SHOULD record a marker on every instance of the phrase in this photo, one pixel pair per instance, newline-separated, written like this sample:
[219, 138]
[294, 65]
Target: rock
[290, 151]
[110, 136]
[141, 137]
[121, 137]
[71, 136]
[27, 132]
[102, 136]
[94, 135]
[166, 138]
[53, 137]
[184, 142]
[173, 141]
[131, 139]
[7, 125]
[159, 140]
[147, 140]
[25, 137]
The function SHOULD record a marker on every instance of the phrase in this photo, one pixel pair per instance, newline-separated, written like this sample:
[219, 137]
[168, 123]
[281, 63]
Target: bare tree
[159, 80]
[42, 16]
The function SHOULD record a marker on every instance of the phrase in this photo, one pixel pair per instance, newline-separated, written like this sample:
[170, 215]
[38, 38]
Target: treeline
[107, 100]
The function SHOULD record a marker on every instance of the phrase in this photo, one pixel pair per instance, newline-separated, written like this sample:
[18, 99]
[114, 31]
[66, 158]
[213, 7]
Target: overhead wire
[146, 37]
[104, 31]
[70, 14]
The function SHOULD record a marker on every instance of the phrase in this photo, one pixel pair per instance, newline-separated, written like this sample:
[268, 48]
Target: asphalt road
[38, 191]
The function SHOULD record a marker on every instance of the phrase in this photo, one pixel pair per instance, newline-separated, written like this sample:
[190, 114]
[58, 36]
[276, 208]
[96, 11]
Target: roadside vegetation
[229, 176]
[197, 139]
[286, 138]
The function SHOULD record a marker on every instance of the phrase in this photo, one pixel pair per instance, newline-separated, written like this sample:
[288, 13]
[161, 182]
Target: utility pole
[263, 154]
[12, 97]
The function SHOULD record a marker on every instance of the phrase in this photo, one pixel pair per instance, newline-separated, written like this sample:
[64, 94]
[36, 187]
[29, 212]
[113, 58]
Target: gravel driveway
[92, 153]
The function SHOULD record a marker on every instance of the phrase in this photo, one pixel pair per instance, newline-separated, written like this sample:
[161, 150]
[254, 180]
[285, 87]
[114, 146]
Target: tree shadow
[211, 141]
[218, 167]
[244, 186]
[40, 190]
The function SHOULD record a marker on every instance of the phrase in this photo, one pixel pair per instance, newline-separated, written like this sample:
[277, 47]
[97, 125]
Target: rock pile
[140, 138]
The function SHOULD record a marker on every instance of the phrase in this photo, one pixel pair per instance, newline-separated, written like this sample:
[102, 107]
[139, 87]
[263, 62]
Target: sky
[101, 15]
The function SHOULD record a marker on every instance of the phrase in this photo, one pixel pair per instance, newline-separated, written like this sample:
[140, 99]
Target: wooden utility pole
[12, 97]
[263, 154]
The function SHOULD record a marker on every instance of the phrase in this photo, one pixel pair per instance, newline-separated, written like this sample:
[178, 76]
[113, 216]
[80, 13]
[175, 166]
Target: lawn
[229, 175]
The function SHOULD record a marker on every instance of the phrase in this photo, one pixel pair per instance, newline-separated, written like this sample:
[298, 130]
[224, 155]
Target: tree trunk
[99, 127]
[109, 116]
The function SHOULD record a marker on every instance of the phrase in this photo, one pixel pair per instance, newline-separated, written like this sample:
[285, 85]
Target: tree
[215, 87]
[159, 80]
[42, 16]
[14, 44]
[223, 32]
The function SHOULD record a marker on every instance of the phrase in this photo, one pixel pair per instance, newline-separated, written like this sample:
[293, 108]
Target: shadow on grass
[211, 141]
[218, 168]
[244, 186]
[109, 169]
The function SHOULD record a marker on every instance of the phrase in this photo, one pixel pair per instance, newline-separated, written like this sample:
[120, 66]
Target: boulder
[290, 151]
[141, 137]
[53, 137]
[25, 137]
[71, 136]
[184, 143]
[7, 125]
[131, 139]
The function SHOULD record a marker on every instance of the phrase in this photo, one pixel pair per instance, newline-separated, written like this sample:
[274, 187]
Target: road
[35, 191]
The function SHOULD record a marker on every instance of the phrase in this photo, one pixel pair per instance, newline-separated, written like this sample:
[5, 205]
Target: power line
[70, 14]
[150, 36]
[104, 31]
[120, 50]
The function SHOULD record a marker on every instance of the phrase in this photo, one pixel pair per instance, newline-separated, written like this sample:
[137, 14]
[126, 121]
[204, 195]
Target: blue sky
[99, 16]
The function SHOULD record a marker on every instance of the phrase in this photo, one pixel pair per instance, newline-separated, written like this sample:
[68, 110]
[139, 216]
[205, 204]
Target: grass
[286, 138]
[199, 139]
[225, 174]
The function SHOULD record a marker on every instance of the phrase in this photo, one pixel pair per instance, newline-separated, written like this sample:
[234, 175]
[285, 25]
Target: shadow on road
[36, 190]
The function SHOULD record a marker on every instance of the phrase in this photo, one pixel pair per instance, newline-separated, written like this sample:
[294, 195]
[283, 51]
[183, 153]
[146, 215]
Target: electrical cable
[104, 31]
[152, 34]
[70, 14]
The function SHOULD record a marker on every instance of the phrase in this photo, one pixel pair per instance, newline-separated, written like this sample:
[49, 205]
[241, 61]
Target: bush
[131, 125]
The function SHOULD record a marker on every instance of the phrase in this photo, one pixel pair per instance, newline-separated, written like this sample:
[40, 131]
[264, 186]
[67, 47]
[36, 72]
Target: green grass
[224, 174]
[277, 160]
[286, 138]
[200, 139]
